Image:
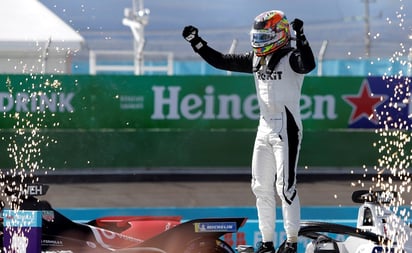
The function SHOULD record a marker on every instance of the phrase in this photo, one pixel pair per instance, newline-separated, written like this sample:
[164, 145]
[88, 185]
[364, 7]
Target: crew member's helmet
[270, 32]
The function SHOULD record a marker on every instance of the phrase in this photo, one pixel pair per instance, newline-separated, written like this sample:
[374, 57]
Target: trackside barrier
[141, 121]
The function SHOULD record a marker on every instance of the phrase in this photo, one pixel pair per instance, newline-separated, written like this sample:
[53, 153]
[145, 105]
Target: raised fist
[297, 25]
[190, 33]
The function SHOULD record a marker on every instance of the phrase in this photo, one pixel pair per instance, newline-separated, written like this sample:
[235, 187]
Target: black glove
[297, 26]
[190, 34]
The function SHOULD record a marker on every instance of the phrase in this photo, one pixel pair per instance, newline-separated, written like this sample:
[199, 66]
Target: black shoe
[288, 247]
[265, 247]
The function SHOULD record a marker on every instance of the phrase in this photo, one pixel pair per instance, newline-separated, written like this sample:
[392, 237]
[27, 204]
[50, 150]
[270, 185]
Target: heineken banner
[206, 102]
[137, 114]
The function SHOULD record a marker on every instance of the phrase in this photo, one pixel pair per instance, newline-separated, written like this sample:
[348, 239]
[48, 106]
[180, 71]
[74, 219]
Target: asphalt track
[201, 191]
[185, 194]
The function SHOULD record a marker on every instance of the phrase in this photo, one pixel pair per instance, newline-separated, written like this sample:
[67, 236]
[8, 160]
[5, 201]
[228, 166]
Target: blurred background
[341, 32]
[112, 62]
[362, 30]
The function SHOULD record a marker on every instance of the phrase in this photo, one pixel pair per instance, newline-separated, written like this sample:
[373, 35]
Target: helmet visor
[261, 38]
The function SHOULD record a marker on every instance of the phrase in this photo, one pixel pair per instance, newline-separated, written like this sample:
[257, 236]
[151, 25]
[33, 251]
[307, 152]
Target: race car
[378, 229]
[143, 234]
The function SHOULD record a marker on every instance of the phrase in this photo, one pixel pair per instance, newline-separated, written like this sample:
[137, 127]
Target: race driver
[278, 70]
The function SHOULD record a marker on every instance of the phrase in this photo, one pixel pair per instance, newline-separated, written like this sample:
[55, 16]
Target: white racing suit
[276, 148]
[278, 85]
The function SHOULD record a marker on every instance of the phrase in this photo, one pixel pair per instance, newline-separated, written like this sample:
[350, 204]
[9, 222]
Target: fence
[126, 62]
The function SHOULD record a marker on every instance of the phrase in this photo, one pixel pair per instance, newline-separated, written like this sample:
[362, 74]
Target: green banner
[322, 103]
[110, 121]
[152, 102]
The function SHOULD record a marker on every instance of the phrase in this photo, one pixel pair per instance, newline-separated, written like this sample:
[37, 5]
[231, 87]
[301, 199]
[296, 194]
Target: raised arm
[230, 62]
[302, 60]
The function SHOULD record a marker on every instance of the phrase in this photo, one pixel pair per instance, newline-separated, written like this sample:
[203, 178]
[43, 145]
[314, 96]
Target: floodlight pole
[367, 28]
[137, 18]
[410, 64]
[45, 56]
[321, 55]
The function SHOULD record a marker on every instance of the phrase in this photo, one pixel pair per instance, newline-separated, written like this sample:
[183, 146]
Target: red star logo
[364, 104]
